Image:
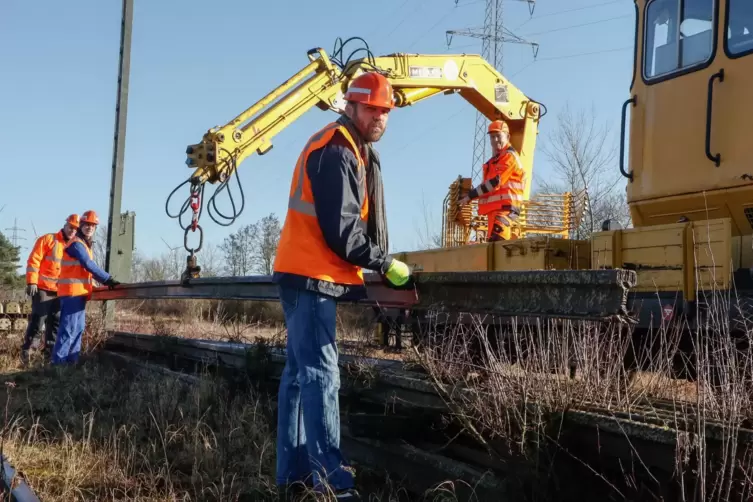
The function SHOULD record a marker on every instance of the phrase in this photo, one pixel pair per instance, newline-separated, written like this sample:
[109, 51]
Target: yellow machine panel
[678, 257]
[689, 152]
[533, 253]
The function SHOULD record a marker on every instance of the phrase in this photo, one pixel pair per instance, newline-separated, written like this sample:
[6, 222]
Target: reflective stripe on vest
[74, 279]
[46, 274]
[302, 249]
[296, 202]
[508, 195]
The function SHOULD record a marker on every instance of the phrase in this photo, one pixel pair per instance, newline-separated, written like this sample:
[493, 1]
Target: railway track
[369, 437]
[387, 408]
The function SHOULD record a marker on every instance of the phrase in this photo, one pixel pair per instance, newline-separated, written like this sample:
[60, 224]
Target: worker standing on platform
[500, 196]
[42, 271]
[75, 288]
[334, 227]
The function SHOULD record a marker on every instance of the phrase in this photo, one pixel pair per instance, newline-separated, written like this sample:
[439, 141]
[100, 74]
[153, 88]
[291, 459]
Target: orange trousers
[499, 223]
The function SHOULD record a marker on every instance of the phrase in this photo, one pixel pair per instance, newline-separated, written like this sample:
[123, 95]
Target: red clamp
[195, 205]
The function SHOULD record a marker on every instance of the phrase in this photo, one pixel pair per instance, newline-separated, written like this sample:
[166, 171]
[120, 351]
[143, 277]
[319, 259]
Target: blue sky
[193, 67]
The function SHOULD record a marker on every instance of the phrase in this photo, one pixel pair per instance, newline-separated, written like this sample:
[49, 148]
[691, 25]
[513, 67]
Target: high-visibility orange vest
[302, 249]
[74, 279]
[508, 195]
[43, 264]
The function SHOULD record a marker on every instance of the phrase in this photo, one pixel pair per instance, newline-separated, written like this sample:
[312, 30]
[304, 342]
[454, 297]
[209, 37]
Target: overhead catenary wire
[571, 27]
[567, 11]
[568, 56]
[584, 7]
[445, 16]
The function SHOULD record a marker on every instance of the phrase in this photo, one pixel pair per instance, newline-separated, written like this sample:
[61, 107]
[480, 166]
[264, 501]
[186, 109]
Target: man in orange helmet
[334, 228]
[42, 271]
[75, 288]
[501, 194]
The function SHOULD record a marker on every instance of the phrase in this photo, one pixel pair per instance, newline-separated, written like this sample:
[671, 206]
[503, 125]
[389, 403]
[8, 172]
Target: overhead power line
[568, 56]
[14, 235]
[553, 30]
[567, 11]
[493, 35]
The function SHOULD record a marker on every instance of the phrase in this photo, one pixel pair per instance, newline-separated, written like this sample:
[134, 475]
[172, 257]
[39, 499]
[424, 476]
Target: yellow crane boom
[321, 83]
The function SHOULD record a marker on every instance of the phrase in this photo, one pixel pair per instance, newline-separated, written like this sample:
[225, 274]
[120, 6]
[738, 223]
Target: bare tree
[210, 261]
[267, 239]
[584, 155]
[428, 236]
[99, 247]
[137, 266]
[239, 248]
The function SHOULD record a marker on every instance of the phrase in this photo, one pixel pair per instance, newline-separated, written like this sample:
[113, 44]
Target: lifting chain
[192, 269]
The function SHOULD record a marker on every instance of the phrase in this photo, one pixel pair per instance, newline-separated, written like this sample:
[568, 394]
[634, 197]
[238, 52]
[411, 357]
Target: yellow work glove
[398, 273]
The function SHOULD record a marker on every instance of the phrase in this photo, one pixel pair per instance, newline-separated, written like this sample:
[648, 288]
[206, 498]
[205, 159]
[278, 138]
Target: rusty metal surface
[590, 294]
[254, 288]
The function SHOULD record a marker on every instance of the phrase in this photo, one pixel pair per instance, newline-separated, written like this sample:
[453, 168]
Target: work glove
[398, 273]
[111, 283]
[31, 289]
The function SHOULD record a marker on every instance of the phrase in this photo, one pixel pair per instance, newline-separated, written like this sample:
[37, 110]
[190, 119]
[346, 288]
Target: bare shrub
[511, 381]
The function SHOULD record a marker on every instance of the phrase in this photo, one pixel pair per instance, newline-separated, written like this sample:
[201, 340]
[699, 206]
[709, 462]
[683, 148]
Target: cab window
[739, 27]
[679, 35]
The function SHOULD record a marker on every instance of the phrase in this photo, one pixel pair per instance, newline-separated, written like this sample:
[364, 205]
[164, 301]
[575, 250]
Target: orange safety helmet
[371, 88]
[499, 126]
[73, 221]
[90, 217]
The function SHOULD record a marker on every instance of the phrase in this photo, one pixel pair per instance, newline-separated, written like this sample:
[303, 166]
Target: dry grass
[354, 327]
[516, 378]
[515, 392]
[92, 432]
[89, 433]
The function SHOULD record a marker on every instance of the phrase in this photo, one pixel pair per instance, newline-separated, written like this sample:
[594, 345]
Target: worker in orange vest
[334, 227]
[75, 288]
[500, 195]
[42, 271]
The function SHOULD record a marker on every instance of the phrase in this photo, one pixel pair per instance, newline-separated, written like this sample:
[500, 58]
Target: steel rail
[255, 288]
[579, 294]
[657, 420]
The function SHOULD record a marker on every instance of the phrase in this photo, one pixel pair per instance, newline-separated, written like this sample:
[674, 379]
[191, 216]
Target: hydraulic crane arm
[321, 83]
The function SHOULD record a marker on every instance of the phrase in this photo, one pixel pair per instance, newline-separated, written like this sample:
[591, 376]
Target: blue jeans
[72, 324]
[308, 423]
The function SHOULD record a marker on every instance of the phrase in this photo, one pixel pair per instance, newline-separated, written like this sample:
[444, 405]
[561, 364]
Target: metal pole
[114, 219]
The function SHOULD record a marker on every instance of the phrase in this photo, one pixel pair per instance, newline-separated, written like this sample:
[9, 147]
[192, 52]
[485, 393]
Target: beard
[374, 132]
